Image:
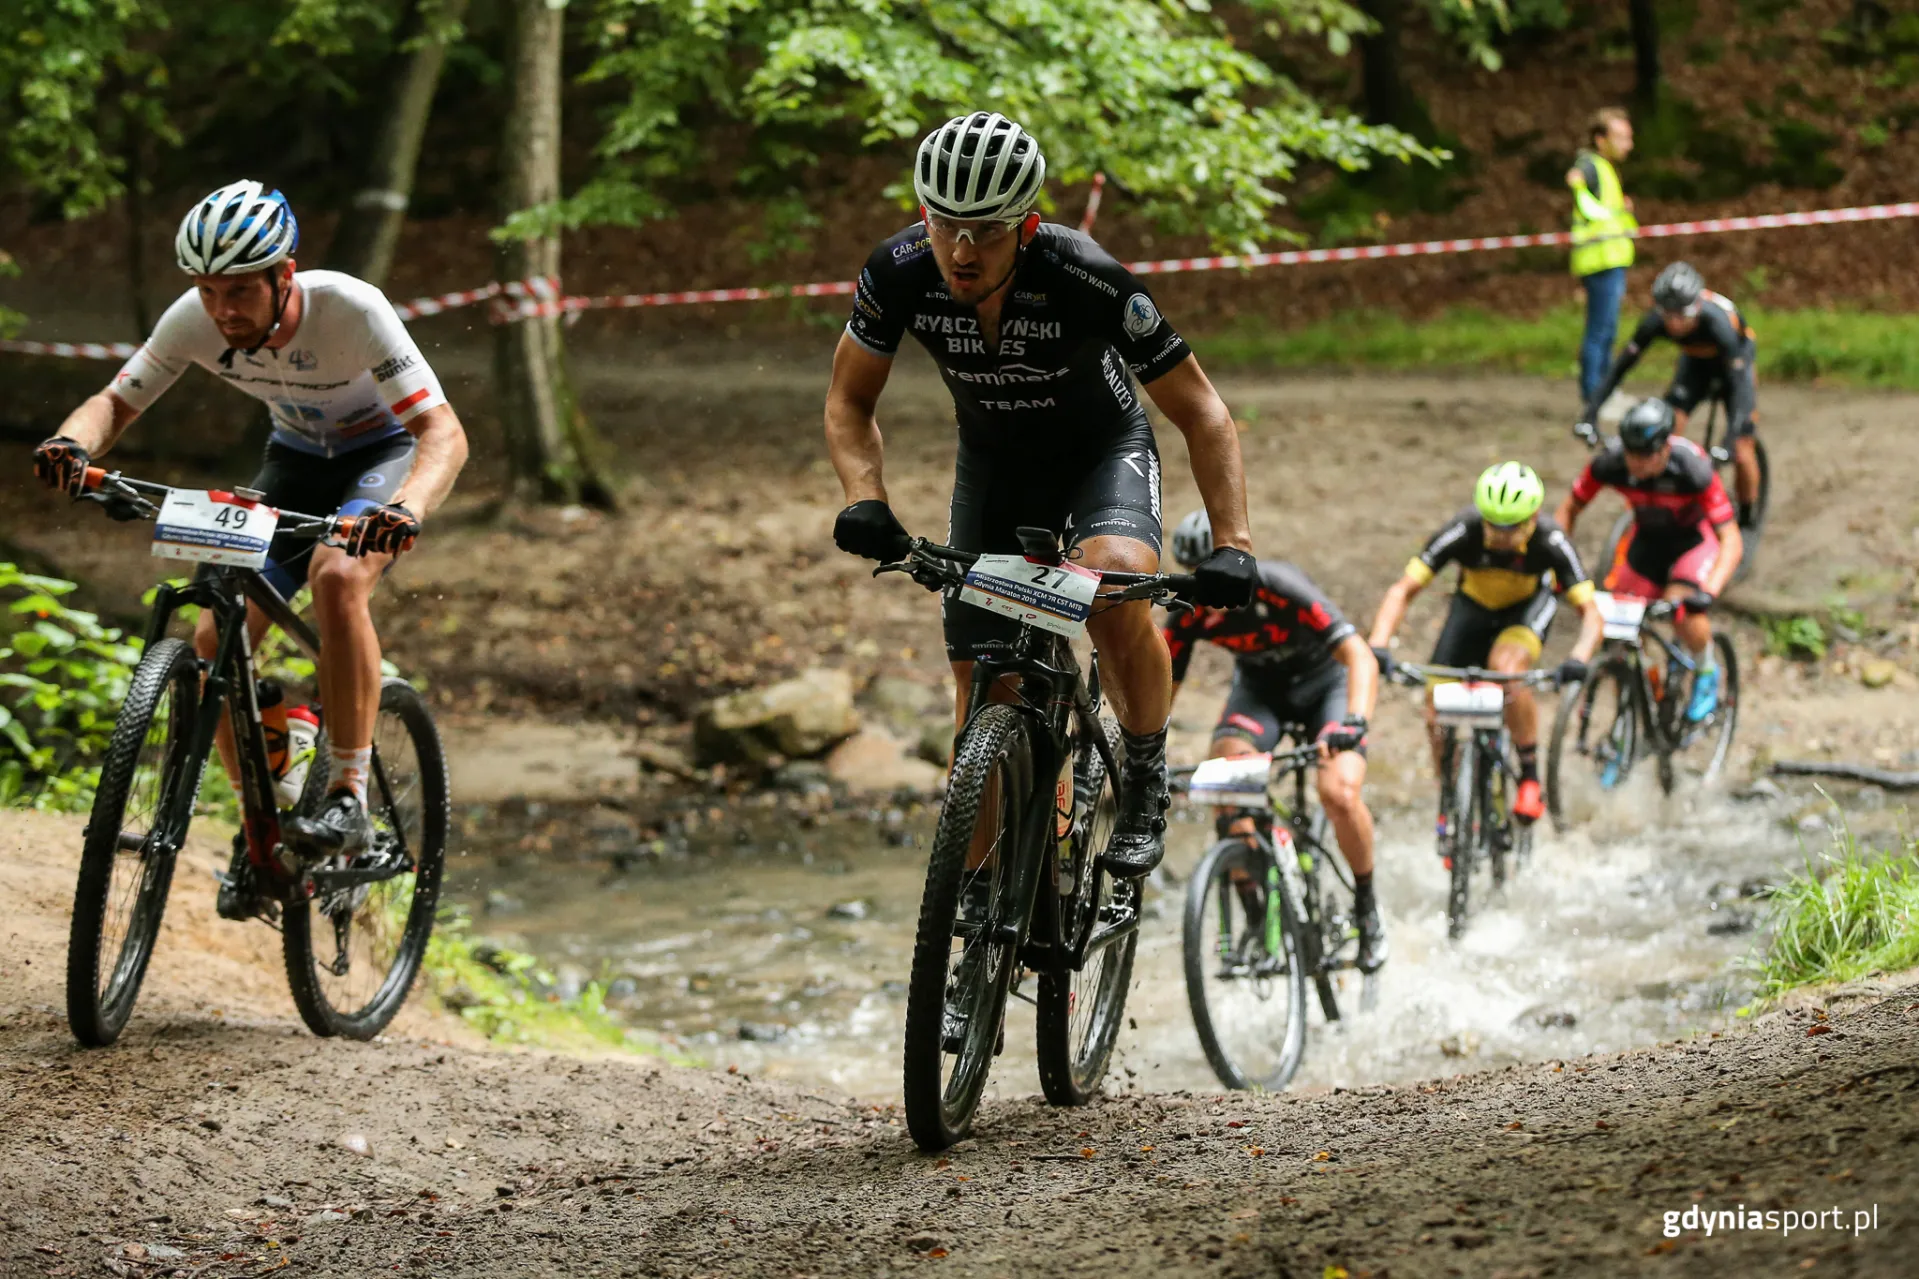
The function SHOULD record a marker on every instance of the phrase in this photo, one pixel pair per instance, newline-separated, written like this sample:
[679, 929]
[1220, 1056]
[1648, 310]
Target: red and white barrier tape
[1092, 204]
[540, 296]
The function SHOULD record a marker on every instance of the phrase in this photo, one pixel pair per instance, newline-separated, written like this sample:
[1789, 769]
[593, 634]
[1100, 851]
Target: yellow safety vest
[1602, 226]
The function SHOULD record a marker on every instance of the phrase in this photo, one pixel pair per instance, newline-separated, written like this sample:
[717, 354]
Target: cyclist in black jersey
[1717, 349]
[1512, 561]
[1296, 660]
[1039, 335]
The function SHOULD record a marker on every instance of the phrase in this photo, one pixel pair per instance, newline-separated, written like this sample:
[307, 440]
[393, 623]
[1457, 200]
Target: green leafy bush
[62, 678]
[1798, 637]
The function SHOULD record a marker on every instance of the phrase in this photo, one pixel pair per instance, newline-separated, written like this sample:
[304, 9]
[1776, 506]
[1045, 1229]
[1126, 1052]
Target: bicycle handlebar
[1180, 780]
[938, 567]
[1416, 674]
[113, 489]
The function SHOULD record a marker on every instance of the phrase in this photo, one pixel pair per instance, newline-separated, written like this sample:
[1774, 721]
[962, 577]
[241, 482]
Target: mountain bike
[1014, 883]
[1721, 456]
[1633, 704]
[1260, 923]
[353, 929]
[1478, 778]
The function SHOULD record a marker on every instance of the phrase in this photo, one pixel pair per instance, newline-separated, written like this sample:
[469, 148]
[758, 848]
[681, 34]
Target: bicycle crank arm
[327, 881]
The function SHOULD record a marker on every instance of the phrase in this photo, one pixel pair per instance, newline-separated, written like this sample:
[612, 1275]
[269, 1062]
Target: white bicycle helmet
[1193, 539]
[240, 228]
[979, 166]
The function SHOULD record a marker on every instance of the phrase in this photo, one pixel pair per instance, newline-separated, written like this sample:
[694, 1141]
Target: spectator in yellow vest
[1602, 229]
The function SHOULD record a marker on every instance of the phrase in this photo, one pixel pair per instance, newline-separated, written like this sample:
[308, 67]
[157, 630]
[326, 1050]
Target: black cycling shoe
[341, 828]
[1372, 939]
[236, 899]
[1139, 836]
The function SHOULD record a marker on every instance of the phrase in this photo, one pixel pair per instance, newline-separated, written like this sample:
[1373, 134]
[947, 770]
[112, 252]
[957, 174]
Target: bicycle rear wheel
[126, 864]
[1247, 994]
[1700, 754]
[1595, 740]
[1079, 1011]
[959, 965]
[353, 952]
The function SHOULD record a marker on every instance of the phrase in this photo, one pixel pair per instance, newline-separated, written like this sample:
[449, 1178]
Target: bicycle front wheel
[1469, 826]
[1595, 740]
[1080, 1010]
[126, 865]
[353, 951]
[1245, 980]
[956, 996]
[1701, 746]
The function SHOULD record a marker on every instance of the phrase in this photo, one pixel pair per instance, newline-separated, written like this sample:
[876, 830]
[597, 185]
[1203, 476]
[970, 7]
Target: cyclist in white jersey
[360, 426]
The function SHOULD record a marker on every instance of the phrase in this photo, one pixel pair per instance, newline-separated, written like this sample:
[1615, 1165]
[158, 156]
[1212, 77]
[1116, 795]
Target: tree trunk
[1645, 53]
[554, 454]
[1382, 91]
[370, 229]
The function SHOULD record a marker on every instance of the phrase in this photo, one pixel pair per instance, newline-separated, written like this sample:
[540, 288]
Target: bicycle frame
[1644, 701]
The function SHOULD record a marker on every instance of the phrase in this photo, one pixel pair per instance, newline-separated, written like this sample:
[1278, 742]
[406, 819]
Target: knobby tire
[1210, 887]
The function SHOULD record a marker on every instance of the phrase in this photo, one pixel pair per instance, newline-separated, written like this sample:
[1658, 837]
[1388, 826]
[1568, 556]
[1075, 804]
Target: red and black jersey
[1680, 496]
[1289, 627]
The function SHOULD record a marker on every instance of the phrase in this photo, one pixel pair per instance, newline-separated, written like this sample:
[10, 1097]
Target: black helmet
[1677, 287]
[1193, 539]
[1646, 426]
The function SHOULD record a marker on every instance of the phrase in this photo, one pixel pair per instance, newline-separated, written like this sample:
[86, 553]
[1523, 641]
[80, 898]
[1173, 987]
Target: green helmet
[1509, 493]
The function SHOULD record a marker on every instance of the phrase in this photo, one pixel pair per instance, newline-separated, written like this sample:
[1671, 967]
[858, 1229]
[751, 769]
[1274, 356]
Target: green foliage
[1850, 914]
[62, 679]
[1795, 637]
[1478, 26]
[1198, 133]
[1850, 348]
[508, 996]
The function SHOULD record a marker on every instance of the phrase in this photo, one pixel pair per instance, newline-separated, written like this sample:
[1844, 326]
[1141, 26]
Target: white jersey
[351, 376]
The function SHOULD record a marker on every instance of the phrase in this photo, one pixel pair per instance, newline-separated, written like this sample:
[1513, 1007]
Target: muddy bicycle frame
[1050, 691]
[228, 678]
[1664, 741]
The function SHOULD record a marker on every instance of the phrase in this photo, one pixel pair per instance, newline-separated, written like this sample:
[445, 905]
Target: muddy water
[783, 950]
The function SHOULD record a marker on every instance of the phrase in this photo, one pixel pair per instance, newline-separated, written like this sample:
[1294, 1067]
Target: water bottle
[302, 734]
[1063, 798]
[273, 719]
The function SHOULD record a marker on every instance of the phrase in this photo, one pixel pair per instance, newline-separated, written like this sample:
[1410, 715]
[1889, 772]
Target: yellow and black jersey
[1500, 579]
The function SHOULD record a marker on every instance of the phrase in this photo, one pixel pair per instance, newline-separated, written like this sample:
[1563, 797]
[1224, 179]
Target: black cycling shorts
[1472, 629]
[1262, 707]
[1696, 380]
[346, 483]
[1111, 492]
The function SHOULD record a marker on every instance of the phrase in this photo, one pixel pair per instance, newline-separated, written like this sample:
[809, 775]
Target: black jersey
[1074, 324]
[1289, 628]
[1500, 579]
[1721, 342]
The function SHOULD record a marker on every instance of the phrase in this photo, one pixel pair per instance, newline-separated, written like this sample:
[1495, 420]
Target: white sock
[1707, 660]
[350, 770]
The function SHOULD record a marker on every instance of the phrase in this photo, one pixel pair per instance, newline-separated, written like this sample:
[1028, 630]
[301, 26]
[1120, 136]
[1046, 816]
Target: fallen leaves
[1322, 1156]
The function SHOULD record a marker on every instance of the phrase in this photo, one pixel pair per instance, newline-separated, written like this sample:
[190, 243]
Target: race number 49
[214, 528]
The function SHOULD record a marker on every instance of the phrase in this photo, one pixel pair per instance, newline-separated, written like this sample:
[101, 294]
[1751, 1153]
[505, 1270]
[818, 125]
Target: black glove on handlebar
[870, 530]
[1225, 579]
[1347, 736]
[1384, 656]
[384, 530]
[62, 464]
[1572, 671]
[1697, 602]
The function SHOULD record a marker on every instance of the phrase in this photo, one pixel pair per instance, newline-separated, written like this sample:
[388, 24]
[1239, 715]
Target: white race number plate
[1474, 705]
[214, 528]
[1623, 614]
[1053, 597]
[1240, 781]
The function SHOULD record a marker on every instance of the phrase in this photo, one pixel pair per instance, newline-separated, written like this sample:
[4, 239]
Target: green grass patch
[1844, 348]
[508, 997]
[1849, 914]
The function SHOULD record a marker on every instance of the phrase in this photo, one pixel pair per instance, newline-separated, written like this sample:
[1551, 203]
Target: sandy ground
[218, 1138]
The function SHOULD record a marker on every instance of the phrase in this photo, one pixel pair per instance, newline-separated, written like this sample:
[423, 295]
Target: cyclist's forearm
[1392, 611]
[1187, 397]
[97, 424]
[438, 457]
[853, 441]
[1732, 549]
[1568, 513]
[1592, 628]
[1362, 675]
[1628, 357]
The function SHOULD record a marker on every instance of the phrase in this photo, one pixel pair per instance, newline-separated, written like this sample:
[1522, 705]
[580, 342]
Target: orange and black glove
[384, 530]
[62, 464]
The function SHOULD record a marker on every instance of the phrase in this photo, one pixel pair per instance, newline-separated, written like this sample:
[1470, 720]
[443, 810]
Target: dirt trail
[223, 1143]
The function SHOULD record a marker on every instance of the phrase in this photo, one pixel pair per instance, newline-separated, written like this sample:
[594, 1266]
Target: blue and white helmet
[242, 227]
[979, 166]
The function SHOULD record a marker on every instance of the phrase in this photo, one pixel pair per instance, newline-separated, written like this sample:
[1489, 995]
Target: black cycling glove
[1572, 671]
[1384, 656]
[62, 464]
[1225, 579]
[384, 530]
[1347, 736]
[870, 529]
[1698, 602]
